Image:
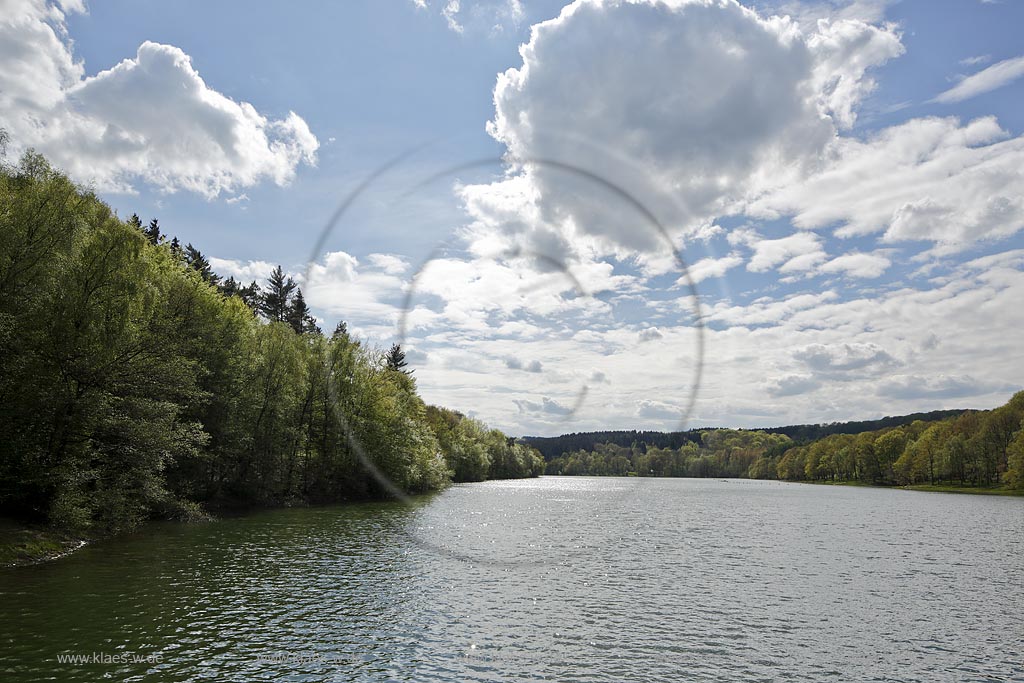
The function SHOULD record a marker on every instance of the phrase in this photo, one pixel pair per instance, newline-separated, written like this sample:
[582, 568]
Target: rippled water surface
[564, 579]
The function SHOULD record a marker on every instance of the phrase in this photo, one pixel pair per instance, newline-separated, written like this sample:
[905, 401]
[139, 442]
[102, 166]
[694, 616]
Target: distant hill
[553, 446]
[801, 433]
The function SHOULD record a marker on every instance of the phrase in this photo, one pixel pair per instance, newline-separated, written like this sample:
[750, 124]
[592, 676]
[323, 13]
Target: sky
[611, 214]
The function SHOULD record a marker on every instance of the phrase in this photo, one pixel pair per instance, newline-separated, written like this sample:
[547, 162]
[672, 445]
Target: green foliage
[554, 446]
[299, 316]
[274, 303]
[193, 257]
[720, 453]
[395, 359]
[137, 384]
[971, 449]
[472, 452]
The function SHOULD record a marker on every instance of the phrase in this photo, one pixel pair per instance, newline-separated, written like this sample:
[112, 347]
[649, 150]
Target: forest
[137, 383]
[553, 446]
[970, 448]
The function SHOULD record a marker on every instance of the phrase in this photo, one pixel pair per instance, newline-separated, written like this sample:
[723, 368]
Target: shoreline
[25, 545]
[926, 488]
[967, 489]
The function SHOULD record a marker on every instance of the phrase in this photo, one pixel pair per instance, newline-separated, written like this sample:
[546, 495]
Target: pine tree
[340, 331]
[176, 249]
[136, 223]
[199, 263]
[251, 296]
[299, 317]
[274, 302]
[153, 232]
[230, 287]
[395, 359]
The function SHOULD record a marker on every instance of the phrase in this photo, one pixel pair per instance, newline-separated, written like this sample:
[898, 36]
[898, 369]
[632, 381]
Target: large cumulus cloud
[688, 106]
[151, 118]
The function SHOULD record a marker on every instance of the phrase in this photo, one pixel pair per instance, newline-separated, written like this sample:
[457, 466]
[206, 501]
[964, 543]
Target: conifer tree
[152, 232]
[274, 303]
[199, 263]
[299, 317]
[251, 295]
[395, 359]
[230, 287]
[176, 251]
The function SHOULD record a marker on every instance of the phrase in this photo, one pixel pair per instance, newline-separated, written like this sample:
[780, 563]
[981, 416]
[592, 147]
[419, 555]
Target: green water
[554, 579]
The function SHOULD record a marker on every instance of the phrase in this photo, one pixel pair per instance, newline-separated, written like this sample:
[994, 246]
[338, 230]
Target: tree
[1015, 471]
[888, 448]
[251, 295]
[299, 316]
[395, 359]
[199, 263]
[230, 286]
[176, 250]
[153, 232]
[274, 303]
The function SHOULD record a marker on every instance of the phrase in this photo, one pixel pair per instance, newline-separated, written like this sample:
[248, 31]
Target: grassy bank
[936, 488]
[22, 545]
[977, 490]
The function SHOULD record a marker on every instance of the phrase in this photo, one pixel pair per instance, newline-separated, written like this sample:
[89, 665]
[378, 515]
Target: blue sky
[844, 183]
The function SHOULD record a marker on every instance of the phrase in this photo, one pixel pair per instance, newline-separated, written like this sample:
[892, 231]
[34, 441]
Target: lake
[558, 578]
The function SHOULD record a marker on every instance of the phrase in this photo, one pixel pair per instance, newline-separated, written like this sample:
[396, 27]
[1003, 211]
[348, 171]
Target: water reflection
[573, 579]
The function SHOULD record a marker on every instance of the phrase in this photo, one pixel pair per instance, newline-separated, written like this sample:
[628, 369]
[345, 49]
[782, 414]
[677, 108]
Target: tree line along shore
[971, 450]
[139, 384]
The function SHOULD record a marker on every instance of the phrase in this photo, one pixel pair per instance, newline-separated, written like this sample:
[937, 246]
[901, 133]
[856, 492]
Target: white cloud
[150, 118]
[857, 264]
[841, 359]
[791, 385]
[712, 267]
[767, 311]
[38, 66]
[493, 15]
[658, 410]
[243, 271]
[844, 52]
[545, 406]
[986, 80]
[365, 296]
[927, 179]
[637, 93]
[976, 60]
[810, 13]
[810, 357]
[451, 14]
[800, 251]
[910, 387]
[393, 264]
[337, 266]
[649, 334]
[513, 363]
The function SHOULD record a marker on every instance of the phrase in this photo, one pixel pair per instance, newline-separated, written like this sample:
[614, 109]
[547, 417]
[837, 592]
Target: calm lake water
[560, 578]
